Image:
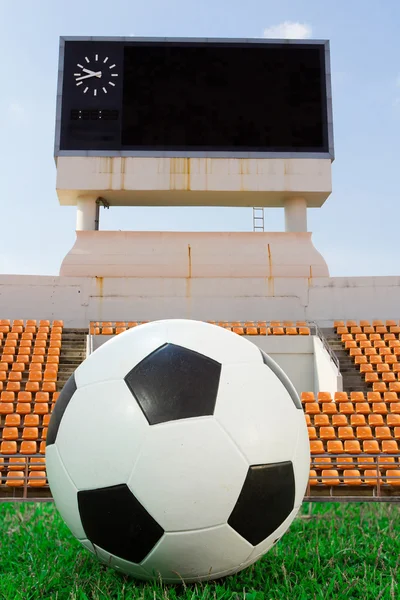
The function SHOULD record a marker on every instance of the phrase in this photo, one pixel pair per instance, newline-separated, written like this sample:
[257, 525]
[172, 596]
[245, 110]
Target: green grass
[331, 551]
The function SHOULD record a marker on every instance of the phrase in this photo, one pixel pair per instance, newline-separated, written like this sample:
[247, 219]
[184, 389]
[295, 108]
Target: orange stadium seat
[15, 479]
[37, 463]
[393, 477]
[16, 463]
[304, 331]
[10, 433]
[31, 420]
[23, 408]
[28, 447]
[352, 446]
[8, 447]
[329, 408]
[312, 408]
[335, 446]
[375, 420]
[321, 420]
[330, 477]
[37, 478]
[12, 420]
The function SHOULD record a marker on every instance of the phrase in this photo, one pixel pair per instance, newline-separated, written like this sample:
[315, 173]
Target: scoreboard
[194, 97]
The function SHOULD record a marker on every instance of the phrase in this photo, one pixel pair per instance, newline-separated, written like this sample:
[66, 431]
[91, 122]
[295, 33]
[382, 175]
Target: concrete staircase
[352, 380]
[73, 352]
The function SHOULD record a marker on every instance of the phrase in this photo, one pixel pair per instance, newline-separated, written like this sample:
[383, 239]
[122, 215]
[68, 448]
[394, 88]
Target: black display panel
[194, 97]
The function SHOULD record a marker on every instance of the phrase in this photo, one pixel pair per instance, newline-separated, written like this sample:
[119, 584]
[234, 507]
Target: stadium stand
[36, 359]
[239, 327]
[354, 434]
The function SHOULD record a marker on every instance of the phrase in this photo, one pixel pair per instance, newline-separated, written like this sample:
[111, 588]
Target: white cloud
[289, 29]
[17, 112]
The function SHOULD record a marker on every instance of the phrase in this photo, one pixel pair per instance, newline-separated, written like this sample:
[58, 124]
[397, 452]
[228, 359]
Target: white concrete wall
[294, 354]
[327, 377]
[164, 254]
[78, 299]
[164, 181]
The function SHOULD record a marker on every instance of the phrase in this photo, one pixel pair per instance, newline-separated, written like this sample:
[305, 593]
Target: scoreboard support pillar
[86, 213]
[295, 215]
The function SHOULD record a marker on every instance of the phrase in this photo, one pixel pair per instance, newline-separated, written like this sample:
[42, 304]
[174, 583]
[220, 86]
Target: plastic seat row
[30, 325]
[9, 447]
[347, 338]
[363, 323]
[25, 408]
[348, 408]
[17, 479]
[26, 433]
[28, 386]
[346, 397]
[382, 433]
[241, 328]
[26, 348]
[352, 446]
[29, 420]
[354, 419]
[349, 477]
[371, 343]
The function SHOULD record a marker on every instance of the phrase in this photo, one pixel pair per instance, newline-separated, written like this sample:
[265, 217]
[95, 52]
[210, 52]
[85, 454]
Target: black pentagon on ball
[174, 383]
[114, 520]
[64, 398]
[265, 501]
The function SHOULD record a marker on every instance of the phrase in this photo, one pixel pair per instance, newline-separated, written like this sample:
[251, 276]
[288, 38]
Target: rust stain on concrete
[180, 173]
[100, 286]
[189, 284]
[270, 276]
[310, 277]
[123, 172]
[100, 295]
[189, 261]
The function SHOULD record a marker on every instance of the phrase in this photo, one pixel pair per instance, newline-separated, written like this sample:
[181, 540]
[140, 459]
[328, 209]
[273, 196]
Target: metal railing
[325, 343]
[382, 484]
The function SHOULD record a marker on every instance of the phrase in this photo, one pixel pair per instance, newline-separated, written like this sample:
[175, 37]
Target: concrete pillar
[295, 215]
[86, 214]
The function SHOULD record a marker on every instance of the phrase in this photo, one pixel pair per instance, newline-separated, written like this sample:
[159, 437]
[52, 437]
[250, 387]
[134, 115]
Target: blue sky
[356, 230]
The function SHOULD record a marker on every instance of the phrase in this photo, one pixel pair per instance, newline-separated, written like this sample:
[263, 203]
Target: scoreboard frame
[196, 153]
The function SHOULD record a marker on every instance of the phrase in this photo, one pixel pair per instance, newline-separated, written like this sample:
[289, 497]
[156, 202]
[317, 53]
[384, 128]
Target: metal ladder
[258, 218]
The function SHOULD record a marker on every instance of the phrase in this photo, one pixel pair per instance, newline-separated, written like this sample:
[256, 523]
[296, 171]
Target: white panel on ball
[64, 492]
[88, 545]
[130, 347]
[100, 435]
[212, 341]
[256, 410]
[191, 555]
[189, 474]
[120, 564]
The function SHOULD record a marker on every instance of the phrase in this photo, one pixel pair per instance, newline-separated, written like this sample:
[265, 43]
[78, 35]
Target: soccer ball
[178, 450]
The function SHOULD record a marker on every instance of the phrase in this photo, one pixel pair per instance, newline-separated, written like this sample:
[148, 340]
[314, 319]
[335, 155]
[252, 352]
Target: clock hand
[93, 74]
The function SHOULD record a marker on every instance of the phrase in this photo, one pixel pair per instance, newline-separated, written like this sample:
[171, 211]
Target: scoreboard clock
[194, 97]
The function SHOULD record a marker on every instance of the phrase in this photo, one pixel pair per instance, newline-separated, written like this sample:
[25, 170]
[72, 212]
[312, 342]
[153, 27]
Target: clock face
[96, 74]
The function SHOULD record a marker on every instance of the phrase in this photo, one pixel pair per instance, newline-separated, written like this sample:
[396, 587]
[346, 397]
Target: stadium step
[73, 352]
[352, 380]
